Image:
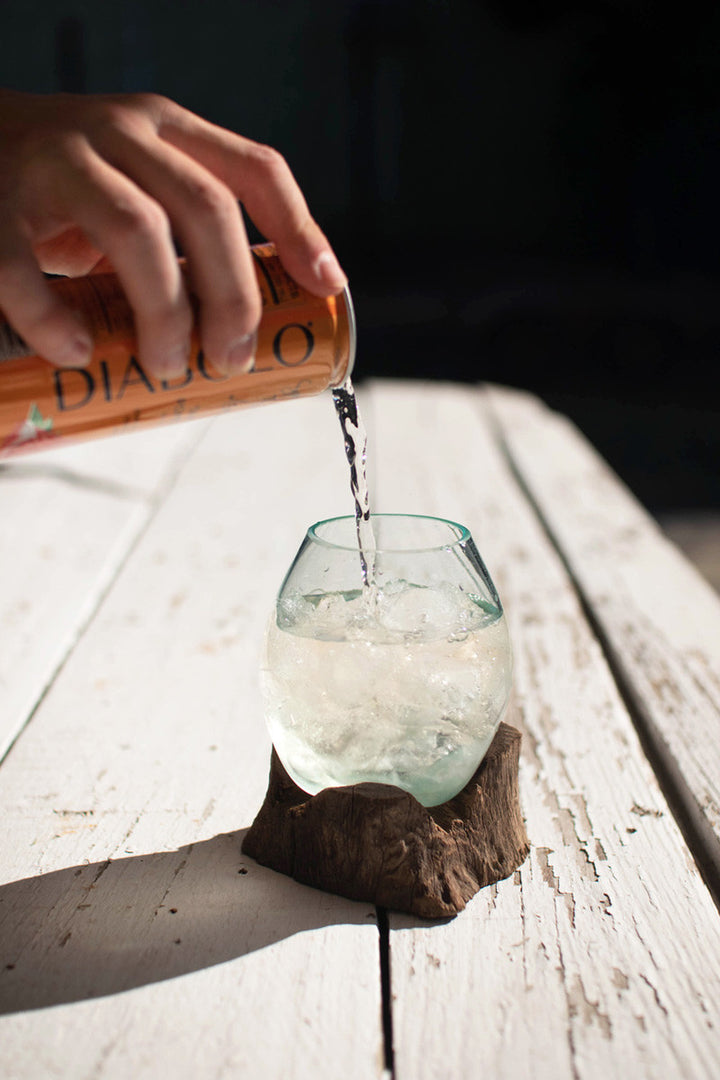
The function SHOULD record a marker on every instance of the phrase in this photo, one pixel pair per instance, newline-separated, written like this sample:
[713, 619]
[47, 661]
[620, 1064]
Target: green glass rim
[462, 534]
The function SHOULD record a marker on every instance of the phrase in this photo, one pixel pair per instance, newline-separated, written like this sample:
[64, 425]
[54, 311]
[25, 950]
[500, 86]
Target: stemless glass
[403, 681]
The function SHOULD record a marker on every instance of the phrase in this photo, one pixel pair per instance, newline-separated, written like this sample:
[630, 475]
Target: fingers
[206, 217]
[110, 179]
[260, 177]
[69, 253]
[46, 324]
[133, 231]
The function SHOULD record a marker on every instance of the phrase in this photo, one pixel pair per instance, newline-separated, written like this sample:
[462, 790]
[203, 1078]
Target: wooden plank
[659, 618]
[126, 796]
[69, 518]
[601, 956]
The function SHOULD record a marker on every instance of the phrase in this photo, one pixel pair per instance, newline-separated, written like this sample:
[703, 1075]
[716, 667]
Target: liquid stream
[355, 438]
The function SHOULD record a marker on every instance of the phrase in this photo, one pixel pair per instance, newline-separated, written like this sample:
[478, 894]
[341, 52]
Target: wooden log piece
[377, 843]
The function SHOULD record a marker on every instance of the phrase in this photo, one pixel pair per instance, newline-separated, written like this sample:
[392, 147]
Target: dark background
[522, 192]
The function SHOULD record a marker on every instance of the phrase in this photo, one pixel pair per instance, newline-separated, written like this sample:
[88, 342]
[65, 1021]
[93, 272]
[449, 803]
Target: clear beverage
[407, 690]
[355, 440]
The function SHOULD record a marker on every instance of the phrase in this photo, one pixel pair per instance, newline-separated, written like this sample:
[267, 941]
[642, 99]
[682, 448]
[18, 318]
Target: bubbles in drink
[407, 691]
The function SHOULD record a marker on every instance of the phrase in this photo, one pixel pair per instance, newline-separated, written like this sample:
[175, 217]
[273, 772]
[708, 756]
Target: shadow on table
[92, 930]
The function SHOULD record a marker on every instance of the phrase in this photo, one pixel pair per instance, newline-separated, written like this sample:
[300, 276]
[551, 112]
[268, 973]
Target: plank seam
[152, 506]
[699, 836]
[386, 991]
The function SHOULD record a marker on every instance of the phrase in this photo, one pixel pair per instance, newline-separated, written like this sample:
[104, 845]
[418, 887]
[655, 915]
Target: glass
[403, 682]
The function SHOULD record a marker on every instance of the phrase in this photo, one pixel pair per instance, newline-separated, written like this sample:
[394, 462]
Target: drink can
[306, 344]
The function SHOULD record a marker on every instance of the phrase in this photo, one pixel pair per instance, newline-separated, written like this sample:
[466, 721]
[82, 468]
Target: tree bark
[377, 843]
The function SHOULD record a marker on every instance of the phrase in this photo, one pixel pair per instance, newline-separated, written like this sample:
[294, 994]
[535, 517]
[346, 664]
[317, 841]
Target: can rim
[352, 332]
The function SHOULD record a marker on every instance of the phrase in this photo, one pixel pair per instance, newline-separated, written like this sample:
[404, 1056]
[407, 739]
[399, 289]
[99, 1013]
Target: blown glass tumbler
[402, 682]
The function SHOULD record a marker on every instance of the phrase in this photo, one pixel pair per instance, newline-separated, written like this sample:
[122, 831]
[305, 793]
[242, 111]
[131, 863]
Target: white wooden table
[136, 941]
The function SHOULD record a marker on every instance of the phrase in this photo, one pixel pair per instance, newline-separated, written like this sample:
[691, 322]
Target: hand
[114, 177]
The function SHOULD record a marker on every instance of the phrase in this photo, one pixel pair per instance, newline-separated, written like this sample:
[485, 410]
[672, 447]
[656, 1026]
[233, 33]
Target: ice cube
[423, 612]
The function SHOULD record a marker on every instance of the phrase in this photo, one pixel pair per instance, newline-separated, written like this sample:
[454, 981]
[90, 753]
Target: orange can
[305, 345]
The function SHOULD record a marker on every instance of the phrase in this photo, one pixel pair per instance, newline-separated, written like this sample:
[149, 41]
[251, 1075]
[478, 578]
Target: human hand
[87, 181]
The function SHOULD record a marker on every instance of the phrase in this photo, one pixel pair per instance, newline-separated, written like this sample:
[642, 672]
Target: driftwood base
[377, 843]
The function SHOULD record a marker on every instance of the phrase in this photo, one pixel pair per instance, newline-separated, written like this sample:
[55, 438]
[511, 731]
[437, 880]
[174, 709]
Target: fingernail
[330, 272]
[75, 353]
[240, 356]
[173, 364]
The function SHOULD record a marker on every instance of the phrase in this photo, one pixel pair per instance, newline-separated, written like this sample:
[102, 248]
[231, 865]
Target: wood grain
[659, 619]
[70, 517]
[601, 956]
[135, 940]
